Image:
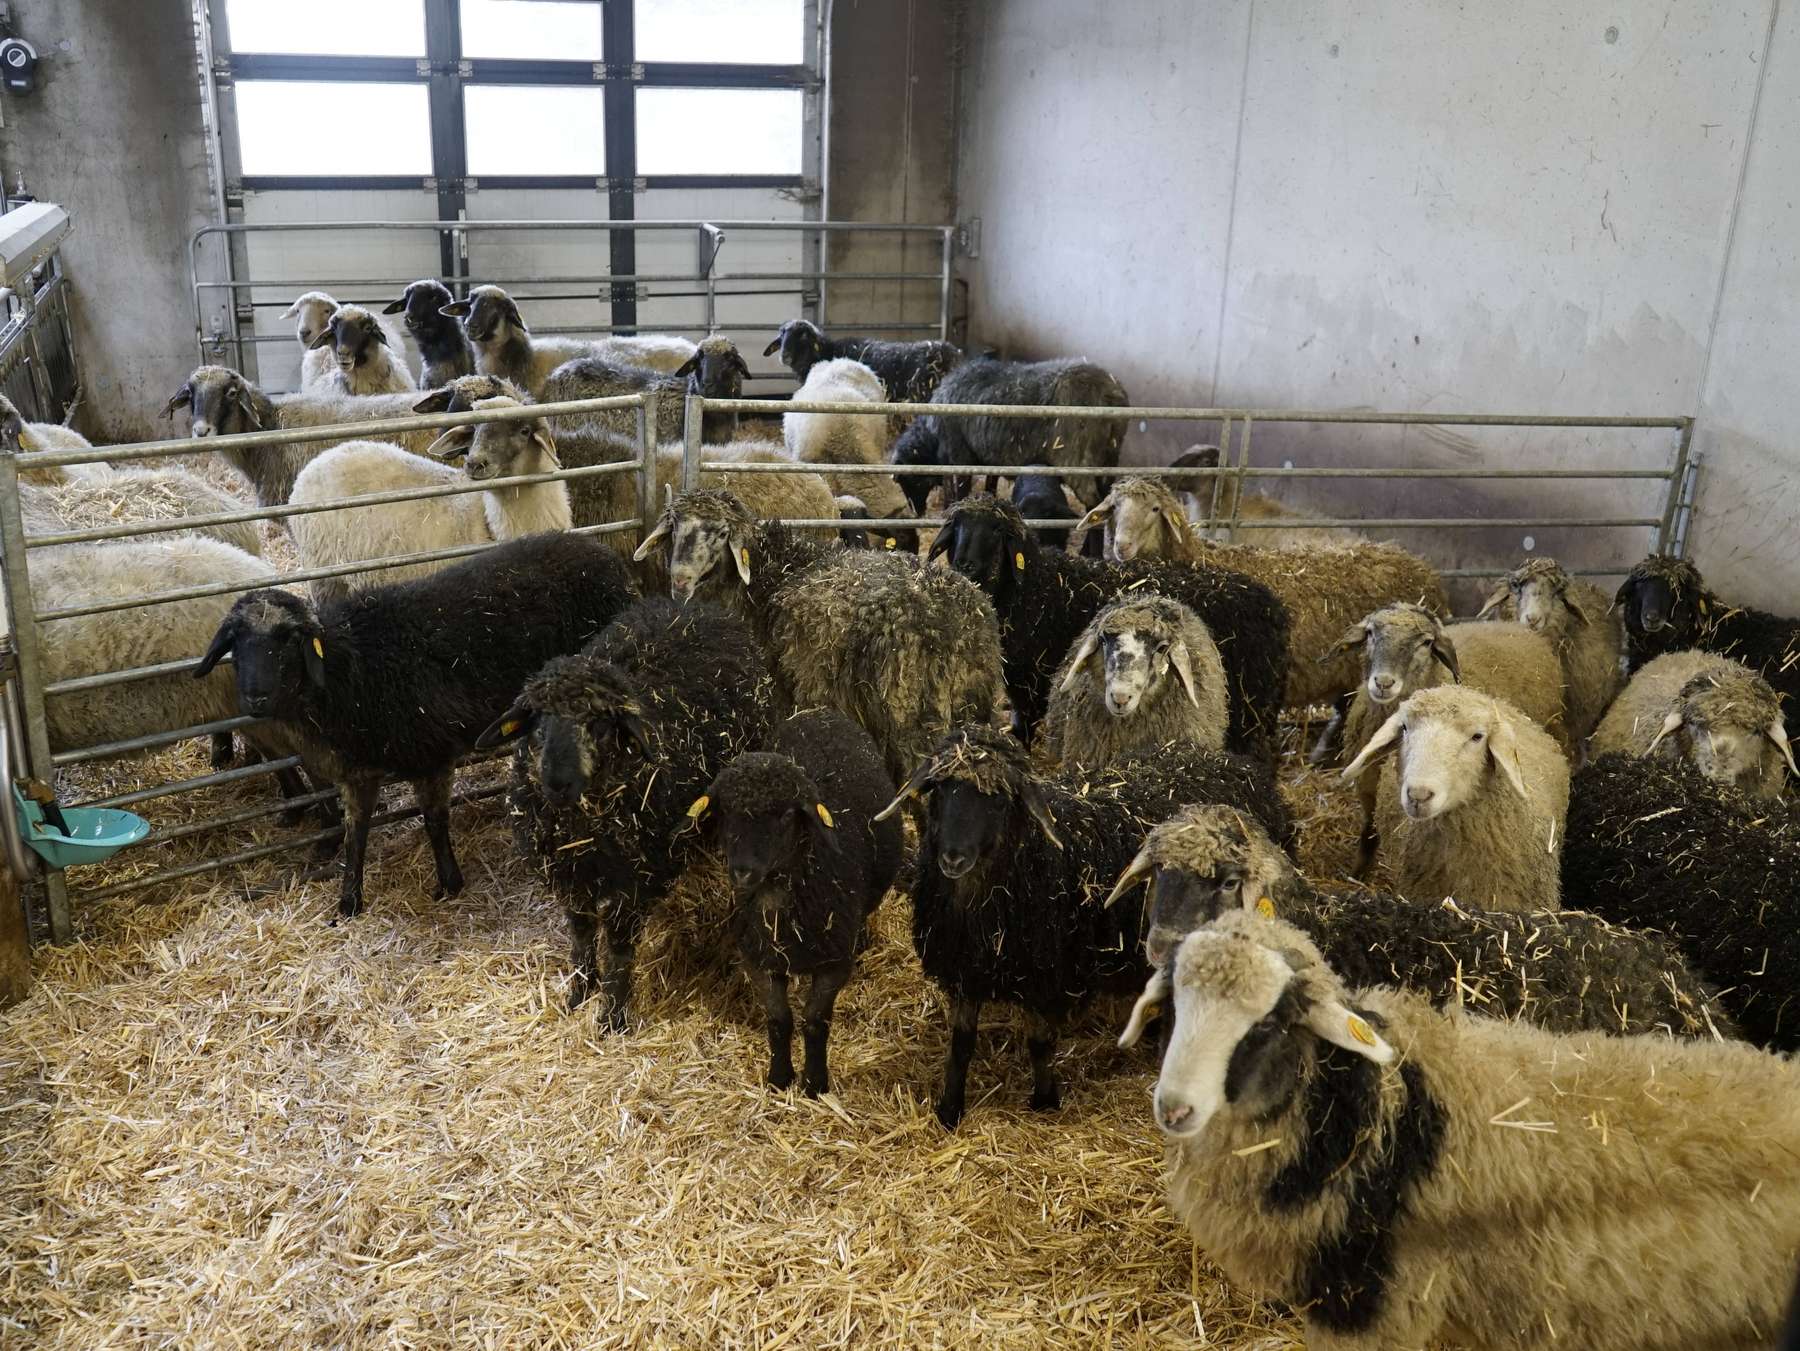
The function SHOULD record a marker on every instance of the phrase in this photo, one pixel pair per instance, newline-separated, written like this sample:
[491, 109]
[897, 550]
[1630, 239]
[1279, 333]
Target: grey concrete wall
[1407, 205]
[891, 148]
[113, 133]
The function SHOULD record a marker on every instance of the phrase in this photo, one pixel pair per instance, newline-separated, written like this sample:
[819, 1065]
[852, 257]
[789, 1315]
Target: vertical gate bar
[449, 147]
[709, 257]
[618, 42]
[1665, 533]
[30, 664]
[1218, 478]
[947, 264]
[1243, 463]
[648, 413]
[692, 416]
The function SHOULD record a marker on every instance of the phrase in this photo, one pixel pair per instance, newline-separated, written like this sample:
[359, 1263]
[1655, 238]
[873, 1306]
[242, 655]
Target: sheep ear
[1100, 515]
[1503, 746]
[394, 306]
[1040, 812]
[1493, 602]
[689, 366]
[1671, 725]
[1089, 645]
[1348, 1030]
[824, 825]
[775, 342]
[639, 554]
[541, 438]
[312, 652]
[913, 787]
[740, 554]
[943, 543]
[1575, 607]
[634, 729]
[437, 401]
[241, 397]
[223, 641]
[1379, 744]
[1777, 733]
[1156, 991]
[180, 399]
[381, 335]
[737, 360]
[1353, 637]
[1184, 667]
[509, 726]
[456, 441]
[510, 309]
[1135, 872]
[325, 338]
[1444, 652]
[292, 311]
[456, 309]
[1173, 521]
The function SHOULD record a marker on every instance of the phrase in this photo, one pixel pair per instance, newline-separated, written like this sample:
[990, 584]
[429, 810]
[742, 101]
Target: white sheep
[356, 468]
[845, 438]
[364, 358]
[131, 496]
[1580, 623]
[30, 436]
[1475, 804]
[1705, 708]
[505, 347]
[311, 312]
[1405, 1177]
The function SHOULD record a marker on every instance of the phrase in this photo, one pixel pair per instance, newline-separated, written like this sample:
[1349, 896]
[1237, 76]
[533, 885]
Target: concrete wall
[113, 133]
[1410, 205]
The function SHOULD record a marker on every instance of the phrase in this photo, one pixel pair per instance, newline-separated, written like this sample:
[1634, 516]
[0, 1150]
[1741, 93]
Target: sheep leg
[583, 926]
[433, 797]
[615, 976]
[781, 1030]
[1369, 837]
[359, 797]
[1041, 1042]
[964, 1014]
[224, 749]
[821, 1002]
[1326, 746]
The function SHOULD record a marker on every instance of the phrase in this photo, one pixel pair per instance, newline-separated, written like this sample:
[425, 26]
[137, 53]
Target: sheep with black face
[1012, 868]
[444, 351]
[505, 347]
[365, 361]
[909, 370]
[402, 679]
[715, 371]
[615, 744]
[808, 864]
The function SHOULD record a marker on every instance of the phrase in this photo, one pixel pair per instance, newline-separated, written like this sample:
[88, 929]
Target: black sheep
[619, 740]
[1045, 599]
[1039, 497]
[1006, 441]
[808, 865]
[1654, 844]
[910, 370]
[444, 350]
[1013, 868]
[402, 679]
[1667, 608]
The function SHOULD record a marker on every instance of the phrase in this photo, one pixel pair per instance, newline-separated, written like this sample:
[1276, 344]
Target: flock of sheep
[1541, 1092]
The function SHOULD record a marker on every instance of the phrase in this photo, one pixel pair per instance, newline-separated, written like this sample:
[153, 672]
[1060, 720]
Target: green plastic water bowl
[95, 833]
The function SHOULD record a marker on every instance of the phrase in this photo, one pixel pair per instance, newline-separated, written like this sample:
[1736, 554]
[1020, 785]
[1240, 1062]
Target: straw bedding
[225, 1122]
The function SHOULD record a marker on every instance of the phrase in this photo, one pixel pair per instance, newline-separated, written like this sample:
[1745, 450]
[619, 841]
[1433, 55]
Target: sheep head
[422, 302]
[277, 651]
[703, 527]
[800, 343]
[1666, 597]
[767, 814]
[489, 316]
[462, 394]
[1140, 641]
[1402, 648]
[586, 727]
[716, 370]
[1543, 598]
[987, 542]
[353, 335]
[979, 793]
[313, 312]
[1729, 723]
[1451, 740]
[220, 401]
[1253, 1000]
[1142, 519]
[499, 449]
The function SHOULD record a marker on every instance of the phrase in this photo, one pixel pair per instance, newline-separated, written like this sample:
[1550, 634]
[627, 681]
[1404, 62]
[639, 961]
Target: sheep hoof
[578, 993]
[781, 1076]
[1046, 1099]
[949, 1113]
[814, 1087]
[349, 907]
[613, 1020]
[448, 887]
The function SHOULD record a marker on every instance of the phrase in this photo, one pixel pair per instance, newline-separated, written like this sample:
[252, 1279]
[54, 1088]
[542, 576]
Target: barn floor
[226, 1122]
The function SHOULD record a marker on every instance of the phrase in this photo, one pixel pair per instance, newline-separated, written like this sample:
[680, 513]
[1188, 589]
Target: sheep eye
[1478, 736]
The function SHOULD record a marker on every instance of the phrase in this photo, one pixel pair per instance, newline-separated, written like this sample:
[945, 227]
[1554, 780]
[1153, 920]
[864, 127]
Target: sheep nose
[1172, 1113]
[1382, 687]
[954, 865]
[1118, 704]
[1418, 799]
[743, 878]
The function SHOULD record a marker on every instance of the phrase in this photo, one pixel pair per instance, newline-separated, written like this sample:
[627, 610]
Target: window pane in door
[528, 30]
[534, 129]
[327, 27]
[761, 32]
[718, 131]
[282, 124]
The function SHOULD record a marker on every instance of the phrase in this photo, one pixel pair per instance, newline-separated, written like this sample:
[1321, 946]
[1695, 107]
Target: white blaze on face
[1729, 755]
[1132, 530]
[1208, 1027]
[699, 548]
[1134, 670]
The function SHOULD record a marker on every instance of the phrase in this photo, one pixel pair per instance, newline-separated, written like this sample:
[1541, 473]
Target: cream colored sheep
[130, 496]
[845, 438]
[1579, 621]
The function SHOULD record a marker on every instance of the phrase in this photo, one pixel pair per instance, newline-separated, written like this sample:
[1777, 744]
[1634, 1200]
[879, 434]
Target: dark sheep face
[762, 843]
[800, 344]
[219, 402]
[276, 649]
[981, 550]
[1652, 604]
[571, 756]
[1181, 901]
[904, 539]
[716, 371]
[420, 303]
[354, 337]
[966, 826]
[488, 315]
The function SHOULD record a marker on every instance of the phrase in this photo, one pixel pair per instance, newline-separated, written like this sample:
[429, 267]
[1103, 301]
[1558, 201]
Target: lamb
[716, 370]
[444, 350]
[1667, 607]
[223, 403]
[1655, 843]
[1045, 599]
[504, 345]
[1321, 586]
[1710, 710]
[402, 679]
[312, 311]
[33, 436]
[910, 371]
[366, 362]
[495, 450]
[1129, 703]
[808, 865]
[1010, 876]
[1564, 972]
[845, 438]
[1347, 1151]
[1484, 791]
[618, 741]
[905, 650]
[130, 496]
[1059, 441]
[1197, 499]
[1038, 497]
[1587, 636]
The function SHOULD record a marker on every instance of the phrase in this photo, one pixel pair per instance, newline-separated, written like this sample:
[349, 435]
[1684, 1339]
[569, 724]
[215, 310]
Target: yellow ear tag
[1019, 560]
[1361, 1031]
[890, 543]
[824, 815]
[509, 727]
[1702, 607]
[698, 810]
[318, 649]
[1266, 908]
[744, 555]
